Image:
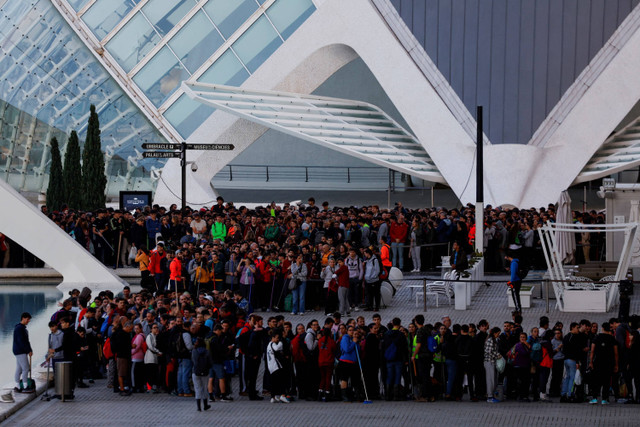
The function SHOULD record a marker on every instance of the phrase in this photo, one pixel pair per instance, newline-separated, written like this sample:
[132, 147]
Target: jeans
[298, 298]
[570, 374]
[452, 368]
[394, 373]
[415, 257]
[398, 254]
[184, 374]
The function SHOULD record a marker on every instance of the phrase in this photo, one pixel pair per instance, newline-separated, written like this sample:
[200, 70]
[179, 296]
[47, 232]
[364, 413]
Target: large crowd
[205, 274]
[211, 349]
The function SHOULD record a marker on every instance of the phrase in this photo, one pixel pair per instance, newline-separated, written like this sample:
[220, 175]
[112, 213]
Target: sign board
[225, 147]
[131, 200]
[161, 154]
[154, 146]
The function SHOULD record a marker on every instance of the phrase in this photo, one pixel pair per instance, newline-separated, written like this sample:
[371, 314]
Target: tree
[94, 181]
[72, 173]
[55, 190]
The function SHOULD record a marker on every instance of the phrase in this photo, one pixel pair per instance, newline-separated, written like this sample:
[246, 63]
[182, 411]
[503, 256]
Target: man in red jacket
[176, 281]
[398, 234]
[158, 257]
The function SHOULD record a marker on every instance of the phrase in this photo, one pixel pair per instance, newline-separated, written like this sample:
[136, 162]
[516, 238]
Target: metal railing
[270, 173]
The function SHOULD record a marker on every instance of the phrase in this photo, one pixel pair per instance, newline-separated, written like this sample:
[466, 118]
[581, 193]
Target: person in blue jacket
[22, 350]
[516, 282]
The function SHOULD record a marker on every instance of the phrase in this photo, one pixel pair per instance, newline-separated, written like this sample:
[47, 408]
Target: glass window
[229, 15]
[165, 14]
[133, 42]
[196, 42]
[185, 115]
[227, 70]
[77, 4]
[257, 43]
[104, 15]
[160, 76]
[288, 15]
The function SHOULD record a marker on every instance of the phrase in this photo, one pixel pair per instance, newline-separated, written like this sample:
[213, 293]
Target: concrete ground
[97, 405]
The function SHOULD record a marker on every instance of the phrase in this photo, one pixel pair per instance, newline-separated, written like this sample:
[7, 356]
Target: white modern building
[326, 93]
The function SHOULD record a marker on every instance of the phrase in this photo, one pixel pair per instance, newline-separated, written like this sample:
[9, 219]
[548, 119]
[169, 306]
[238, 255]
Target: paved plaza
[97, 405]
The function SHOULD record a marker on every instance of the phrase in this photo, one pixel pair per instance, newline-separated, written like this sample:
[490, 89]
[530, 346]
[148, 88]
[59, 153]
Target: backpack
[522, 271]
[144, 345]
[202, 364]
[106, 349]
[177, 343]
[391, 351]
[536, 352]
[297, 350]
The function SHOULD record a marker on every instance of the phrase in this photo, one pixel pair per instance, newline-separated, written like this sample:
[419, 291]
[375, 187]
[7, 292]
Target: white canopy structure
[590, 296]
[355, 128]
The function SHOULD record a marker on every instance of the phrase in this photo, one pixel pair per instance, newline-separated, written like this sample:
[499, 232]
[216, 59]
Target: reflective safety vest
[438, 357]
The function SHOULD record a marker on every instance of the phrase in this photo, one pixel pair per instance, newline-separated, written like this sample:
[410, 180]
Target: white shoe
[284, 399]
[274, 400]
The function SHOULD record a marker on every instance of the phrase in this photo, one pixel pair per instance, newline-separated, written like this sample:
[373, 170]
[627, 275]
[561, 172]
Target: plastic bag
[132, 253]
[501, 364]
[578, 378]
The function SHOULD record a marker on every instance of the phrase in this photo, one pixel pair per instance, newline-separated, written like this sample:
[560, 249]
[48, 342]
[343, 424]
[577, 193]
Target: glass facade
[49, 77]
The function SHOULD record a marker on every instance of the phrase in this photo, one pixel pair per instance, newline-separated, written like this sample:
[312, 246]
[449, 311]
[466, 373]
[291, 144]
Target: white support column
[52, 245]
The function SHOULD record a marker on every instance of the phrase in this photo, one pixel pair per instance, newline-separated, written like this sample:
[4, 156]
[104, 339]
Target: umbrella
[566, 240]
[634, 216]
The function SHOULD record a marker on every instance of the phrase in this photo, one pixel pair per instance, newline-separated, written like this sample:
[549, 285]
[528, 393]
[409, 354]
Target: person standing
[372, 281]
[275, 365]
[515, 283]
[342, 277]
[22, 351]
[603, 361]
[398, 233]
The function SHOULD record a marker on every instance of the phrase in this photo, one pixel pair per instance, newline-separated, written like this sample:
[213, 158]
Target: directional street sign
[152, 146]
[161, 154]
[225, 147]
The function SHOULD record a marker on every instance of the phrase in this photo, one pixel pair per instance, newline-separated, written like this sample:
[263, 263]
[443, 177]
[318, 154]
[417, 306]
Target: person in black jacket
[217, 354]
[371, 363]
[477, 356]
[253, 357]
[450, 353]
[464, 349]
[121, 347]
[396, 355]
[22, 349]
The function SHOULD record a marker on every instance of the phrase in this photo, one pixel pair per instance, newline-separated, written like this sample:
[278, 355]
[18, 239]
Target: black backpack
[522, 271]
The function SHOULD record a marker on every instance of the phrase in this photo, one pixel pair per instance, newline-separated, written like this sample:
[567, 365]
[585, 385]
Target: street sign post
[182, 155]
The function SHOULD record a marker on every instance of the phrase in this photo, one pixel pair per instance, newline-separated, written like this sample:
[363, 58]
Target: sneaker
[274, 400]
[493, 400]
[301, 313]
[593, 402]
[284, 399]
[293, 313]
[604, 402]
[226, 399]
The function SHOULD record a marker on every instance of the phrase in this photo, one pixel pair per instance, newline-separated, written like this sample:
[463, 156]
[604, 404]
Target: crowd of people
[210, 348]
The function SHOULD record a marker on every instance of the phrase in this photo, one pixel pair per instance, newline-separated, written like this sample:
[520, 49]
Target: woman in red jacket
[326, 358]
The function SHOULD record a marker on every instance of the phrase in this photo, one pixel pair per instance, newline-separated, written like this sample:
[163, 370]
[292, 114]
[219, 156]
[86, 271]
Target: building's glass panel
[288, 15]
[104, 15]
[165, 14]
[77, 4]
[229, 15]
[133, 42]
[257, 44]
[196, 42]
[185, 115]
[227, 70]
[160, 76]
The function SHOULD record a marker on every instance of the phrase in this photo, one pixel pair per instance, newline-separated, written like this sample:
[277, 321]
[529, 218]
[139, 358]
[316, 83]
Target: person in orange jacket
[176, 280]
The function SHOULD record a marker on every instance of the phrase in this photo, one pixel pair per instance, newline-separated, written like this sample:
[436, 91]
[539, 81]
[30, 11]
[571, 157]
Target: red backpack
[106, 349]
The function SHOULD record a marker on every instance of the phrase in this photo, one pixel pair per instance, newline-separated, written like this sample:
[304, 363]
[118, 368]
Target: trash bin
[63, 380]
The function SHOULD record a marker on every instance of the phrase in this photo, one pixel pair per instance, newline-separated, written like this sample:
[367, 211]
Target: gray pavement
[100, 406]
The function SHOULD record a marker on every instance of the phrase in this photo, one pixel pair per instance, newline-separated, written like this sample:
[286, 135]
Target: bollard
[63, 378]
[424, 294]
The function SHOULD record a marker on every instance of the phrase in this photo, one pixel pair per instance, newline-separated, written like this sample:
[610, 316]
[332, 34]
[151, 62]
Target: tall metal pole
[183, 165]
[479, 182]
